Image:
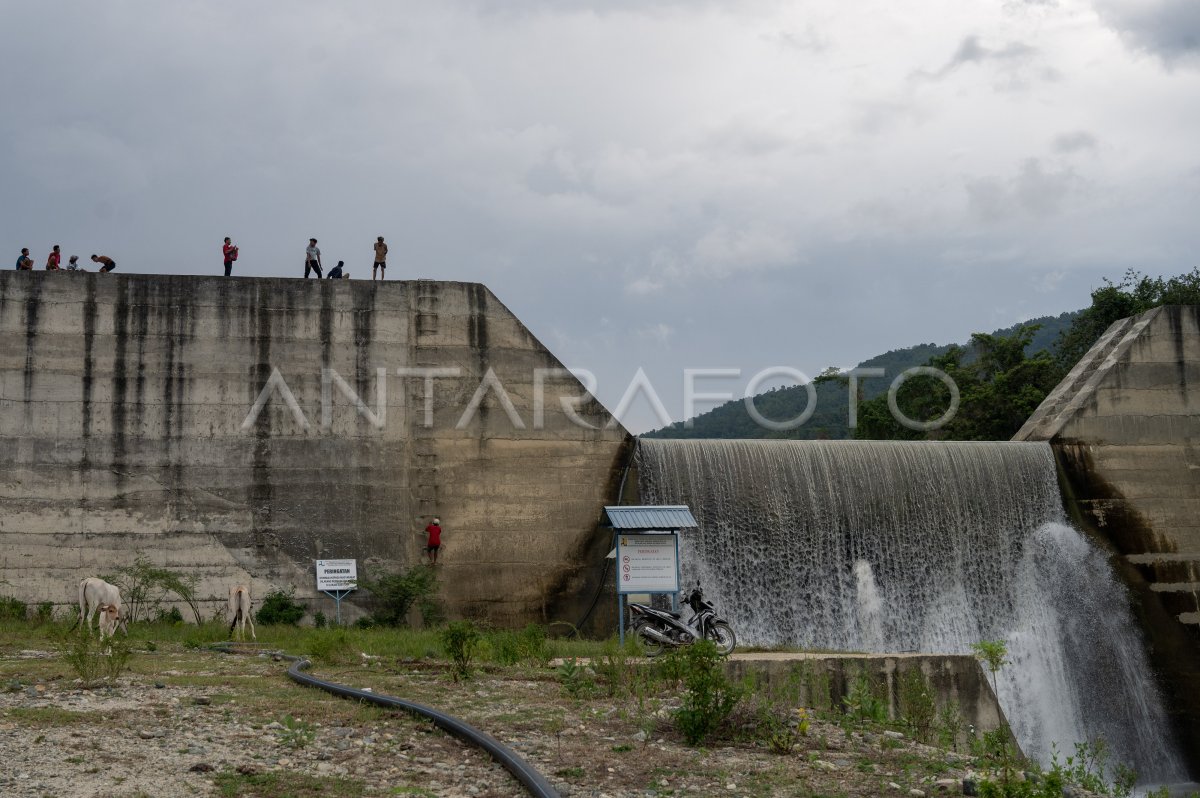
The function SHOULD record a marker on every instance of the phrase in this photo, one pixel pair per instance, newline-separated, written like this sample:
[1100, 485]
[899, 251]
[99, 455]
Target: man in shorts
[380, 258]
[54, 262]
[434, 541]
[24, 262]
[107, 264]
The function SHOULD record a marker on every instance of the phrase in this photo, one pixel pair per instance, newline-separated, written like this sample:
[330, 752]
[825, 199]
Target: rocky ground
[193, 723]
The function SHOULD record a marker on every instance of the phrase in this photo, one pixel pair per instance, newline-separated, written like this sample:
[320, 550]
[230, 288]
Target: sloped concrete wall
[1125, 427]
[127, 428]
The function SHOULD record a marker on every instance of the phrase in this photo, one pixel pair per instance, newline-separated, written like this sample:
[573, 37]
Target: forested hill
[830, 420]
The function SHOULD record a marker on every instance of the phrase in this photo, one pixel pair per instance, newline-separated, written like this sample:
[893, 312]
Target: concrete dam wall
[238, 429]
[1125, 429]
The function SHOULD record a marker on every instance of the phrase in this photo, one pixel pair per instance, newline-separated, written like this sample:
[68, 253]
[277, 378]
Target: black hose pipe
[522, 771]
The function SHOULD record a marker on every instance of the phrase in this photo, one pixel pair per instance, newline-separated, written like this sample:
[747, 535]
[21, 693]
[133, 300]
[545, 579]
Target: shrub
[172, 616]
[280, 607]
[44, 613]
[460, 640]
[529, 645]
[144, 586]
[917, 705]
[12, 609]
[708, 697]
[319, 620]
[394, 595]
[863, 703]
[577, 680]
[92, 661]
[329, 646]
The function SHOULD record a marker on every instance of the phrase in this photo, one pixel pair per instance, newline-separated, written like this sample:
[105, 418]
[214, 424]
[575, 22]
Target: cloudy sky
[663, 185]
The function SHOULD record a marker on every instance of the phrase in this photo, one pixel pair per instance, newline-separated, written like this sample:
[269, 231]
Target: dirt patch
[190, 724]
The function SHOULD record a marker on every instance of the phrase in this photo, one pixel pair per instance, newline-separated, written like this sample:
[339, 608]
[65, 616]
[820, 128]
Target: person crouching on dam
[107, 264]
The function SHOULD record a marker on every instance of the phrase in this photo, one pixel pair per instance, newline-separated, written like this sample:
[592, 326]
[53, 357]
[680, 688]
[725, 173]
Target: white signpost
[648, 563]
[336, 578]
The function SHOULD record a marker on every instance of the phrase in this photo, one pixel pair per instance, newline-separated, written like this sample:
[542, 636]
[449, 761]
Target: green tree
[999, 386]
[393, 594]
[1136, 293]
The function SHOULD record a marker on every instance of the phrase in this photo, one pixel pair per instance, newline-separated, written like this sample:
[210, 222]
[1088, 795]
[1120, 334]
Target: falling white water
[869, 606]
[901, 546]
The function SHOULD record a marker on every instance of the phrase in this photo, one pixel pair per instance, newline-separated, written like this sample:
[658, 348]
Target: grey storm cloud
[664, 184]
[1075, 141]
[1034, 191]
[972, 51]
[1169, 29]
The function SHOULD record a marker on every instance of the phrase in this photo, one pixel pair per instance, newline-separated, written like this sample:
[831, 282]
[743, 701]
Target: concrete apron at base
[821, 681]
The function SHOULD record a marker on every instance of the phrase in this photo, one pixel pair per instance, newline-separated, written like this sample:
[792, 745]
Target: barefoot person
[24, 262]
[434, 541]
[380, 258]
[54, 262]
[107, 264]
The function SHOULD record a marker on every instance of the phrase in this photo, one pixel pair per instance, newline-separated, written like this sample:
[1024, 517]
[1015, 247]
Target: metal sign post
[337, 579]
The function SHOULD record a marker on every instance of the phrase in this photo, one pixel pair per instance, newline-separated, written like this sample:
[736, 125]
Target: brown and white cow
[98, 596]
[240, 611]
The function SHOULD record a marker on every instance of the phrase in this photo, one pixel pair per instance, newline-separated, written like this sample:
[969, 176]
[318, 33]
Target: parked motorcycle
[660, 629]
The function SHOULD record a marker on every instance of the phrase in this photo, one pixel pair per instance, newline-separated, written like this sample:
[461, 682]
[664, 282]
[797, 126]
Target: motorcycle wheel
[721, 633]
[650, 646]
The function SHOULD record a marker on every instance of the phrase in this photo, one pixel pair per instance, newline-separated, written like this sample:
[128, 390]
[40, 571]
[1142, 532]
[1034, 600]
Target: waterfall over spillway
[919, 546]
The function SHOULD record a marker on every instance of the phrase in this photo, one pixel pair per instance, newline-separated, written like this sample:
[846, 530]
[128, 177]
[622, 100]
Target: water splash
[900, 546]
[869, 607]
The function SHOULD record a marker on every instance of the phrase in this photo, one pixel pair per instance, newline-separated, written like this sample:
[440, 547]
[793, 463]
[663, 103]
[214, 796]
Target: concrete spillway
[922, 546]
[238, 429]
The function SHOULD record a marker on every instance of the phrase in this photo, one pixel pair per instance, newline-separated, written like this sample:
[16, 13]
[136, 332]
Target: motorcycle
[660, 629]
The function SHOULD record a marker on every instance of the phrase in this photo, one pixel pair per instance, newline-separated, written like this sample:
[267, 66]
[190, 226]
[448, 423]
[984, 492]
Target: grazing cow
[107, 621]
[240, 611]
[96, 595]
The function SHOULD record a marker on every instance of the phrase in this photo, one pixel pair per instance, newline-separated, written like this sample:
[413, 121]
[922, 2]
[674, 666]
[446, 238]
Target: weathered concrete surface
[126, 429]
[821, 681]
[1125, 427]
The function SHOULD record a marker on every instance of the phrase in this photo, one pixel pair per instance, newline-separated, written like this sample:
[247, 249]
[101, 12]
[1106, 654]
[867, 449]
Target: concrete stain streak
[120, 386]
[33, 300]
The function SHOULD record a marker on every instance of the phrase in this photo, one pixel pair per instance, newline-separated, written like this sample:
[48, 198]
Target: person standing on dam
[433, 541]
[229, 252]
[380, 259]
[312, 259]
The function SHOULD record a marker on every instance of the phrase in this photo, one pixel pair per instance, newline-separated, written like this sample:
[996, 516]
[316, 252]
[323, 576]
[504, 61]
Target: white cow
[240, 611]
[98, 596]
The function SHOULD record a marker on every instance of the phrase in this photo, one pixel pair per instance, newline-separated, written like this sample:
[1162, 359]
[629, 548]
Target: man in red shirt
[229, 252]
[54, 262]
[434, 530]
